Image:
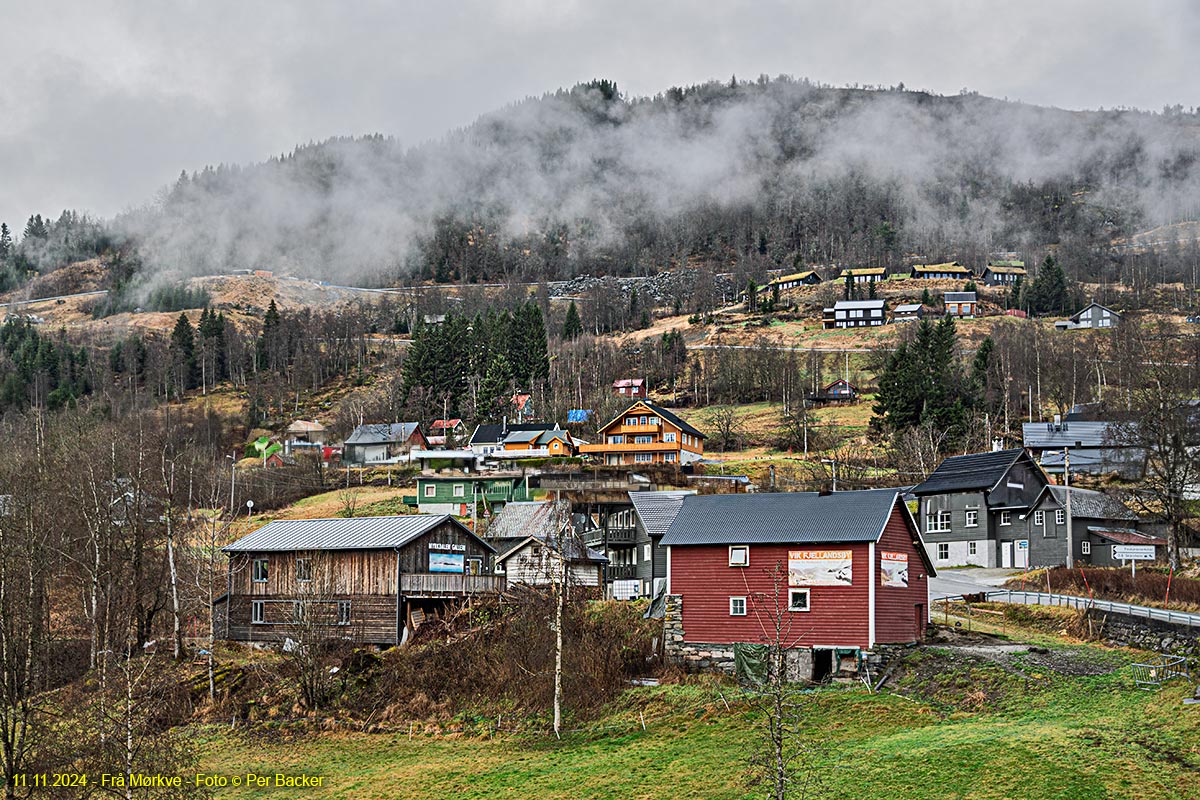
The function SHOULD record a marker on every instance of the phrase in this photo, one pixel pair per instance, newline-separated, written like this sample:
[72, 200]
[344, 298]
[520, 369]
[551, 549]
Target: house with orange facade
[646, 434]
[536, 444]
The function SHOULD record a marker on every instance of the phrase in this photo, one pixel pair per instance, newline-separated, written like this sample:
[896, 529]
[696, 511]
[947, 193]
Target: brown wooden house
[366, 579]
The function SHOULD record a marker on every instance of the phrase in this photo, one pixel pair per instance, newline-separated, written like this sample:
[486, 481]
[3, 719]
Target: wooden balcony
[638, 429]
[449, 584]
[618, 572]
[629, 447]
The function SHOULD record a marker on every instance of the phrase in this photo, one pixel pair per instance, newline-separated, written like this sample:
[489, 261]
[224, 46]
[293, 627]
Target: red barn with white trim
[841, 572]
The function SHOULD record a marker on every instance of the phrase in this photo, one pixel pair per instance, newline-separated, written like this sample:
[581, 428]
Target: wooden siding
[702, 575]
[372, 619]
[896, 612]
[340, 572]
[656, 448]
[450, 584]
[525, 567]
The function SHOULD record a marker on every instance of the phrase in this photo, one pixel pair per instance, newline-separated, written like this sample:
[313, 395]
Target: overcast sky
[102, 103]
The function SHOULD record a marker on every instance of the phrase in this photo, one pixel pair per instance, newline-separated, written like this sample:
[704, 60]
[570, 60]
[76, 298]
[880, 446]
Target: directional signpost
[1133, 553]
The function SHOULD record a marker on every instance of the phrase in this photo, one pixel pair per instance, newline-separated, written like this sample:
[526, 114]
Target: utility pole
[1067, 483]
[232, 480]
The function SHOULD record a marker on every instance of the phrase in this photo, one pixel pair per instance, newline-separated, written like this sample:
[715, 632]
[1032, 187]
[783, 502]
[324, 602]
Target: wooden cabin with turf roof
[369, 580]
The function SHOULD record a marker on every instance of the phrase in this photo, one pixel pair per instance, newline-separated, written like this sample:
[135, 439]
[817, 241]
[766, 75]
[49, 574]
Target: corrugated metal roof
[382, 434]
[493, 434]
[969, 472]
[785, 517]
[1127, 536]
[959, 297]
[1048, 435]
[354, 533]
[851, 304]
[908, 308]
[520, 519]
[657, 510]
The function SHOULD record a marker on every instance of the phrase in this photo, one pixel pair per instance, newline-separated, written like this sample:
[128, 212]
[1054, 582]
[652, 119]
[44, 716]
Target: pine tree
[572, 325]
[6, 242]
[183, 354]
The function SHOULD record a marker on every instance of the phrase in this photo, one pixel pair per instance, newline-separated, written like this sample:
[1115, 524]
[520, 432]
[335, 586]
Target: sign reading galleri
[819, 567]
[893, 569]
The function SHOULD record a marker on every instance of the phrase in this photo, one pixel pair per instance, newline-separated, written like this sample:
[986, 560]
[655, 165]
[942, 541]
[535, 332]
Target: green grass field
[980, 732]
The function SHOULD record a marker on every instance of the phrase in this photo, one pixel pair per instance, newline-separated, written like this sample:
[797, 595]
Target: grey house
[653, 514]
[1093, 315]
[382, 444]
[1092, 446]
[1097, 521]
[970, 509]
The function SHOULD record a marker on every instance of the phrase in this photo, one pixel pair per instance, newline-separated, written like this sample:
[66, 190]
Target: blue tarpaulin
[578, 415]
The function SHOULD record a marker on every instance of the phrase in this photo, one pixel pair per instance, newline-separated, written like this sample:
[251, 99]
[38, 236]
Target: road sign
[1133, 552]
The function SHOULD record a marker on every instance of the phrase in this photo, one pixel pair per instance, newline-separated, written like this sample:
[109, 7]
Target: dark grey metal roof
[969, 472]
[382, 434]
[1087, 504]
[785, 517]
[354, 533]
[959, 297]
[657, 510]
[494, 434]
[520, 519]
[1048, 435]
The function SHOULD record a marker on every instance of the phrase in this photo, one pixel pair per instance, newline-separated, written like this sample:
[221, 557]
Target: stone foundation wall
[1147, 634]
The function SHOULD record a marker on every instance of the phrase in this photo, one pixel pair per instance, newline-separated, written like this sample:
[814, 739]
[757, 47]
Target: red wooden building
[841, 573]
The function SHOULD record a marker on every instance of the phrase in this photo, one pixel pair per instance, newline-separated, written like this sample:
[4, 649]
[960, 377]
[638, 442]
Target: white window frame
[616, 439]
[795, 593]
[343, 612]
[631, 420]
[643, 458]
[1085, 547]
[972, 518]
[431, 490]
[737, 606]
[460, 490]
[1006, 518]
[303, 573]
[643, 439]
[646, 552]
[1060, 516]
[744, 550]
[1039, 518]
[943, 551]
[972, 548]
[937, 522]
[654, 420]
[258, 612]
[669, 436]
[265, 571]
[670, 457]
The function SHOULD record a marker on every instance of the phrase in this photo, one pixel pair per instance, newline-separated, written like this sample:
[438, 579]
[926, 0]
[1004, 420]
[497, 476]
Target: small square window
[739, 556]
[943, 551]
[1086, 548]
[798, 600]
[430, 490]
[304, 569]
[972, 519]
[260, 570]
[258, 612]
[1060, 516]
[343, 611]
[737, 606]
[1006, 518]
[460, 490]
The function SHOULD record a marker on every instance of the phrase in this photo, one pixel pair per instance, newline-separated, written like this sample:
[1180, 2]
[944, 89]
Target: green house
[453, 494]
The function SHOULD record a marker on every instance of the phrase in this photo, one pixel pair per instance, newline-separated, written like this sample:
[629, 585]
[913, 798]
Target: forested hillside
[769, 172]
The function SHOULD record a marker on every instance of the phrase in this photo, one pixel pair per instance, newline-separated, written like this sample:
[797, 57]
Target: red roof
[1128, 537]
[620, 382]
[444, 424]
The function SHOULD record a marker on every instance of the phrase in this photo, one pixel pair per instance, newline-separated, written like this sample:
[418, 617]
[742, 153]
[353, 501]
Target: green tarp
[752, 662]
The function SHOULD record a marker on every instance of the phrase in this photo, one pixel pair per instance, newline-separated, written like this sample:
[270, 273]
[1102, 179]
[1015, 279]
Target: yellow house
[537, 444]
[647, 434]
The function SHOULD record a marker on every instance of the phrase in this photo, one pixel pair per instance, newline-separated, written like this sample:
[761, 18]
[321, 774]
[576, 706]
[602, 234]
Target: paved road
[953, 582]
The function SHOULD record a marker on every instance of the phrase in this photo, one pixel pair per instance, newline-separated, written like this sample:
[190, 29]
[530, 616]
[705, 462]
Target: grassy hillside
[954, 727]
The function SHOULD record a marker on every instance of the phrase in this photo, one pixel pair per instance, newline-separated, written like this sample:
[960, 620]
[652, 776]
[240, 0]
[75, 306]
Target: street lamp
[249, 509]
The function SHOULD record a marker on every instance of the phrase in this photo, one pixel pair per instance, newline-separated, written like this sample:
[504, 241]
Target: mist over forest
[767, 173]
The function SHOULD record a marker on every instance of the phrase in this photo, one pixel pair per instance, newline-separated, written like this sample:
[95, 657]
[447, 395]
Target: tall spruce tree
[183, 354]
[572, 325]
[923, 382]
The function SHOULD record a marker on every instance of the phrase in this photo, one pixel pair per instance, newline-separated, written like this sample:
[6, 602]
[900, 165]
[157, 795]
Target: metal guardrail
[1071, 601]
